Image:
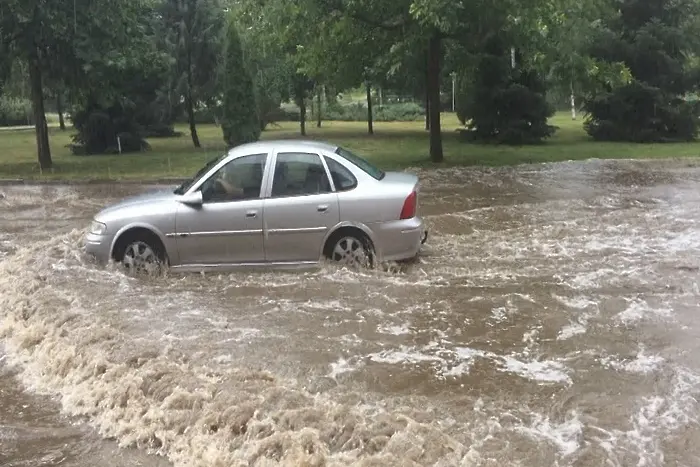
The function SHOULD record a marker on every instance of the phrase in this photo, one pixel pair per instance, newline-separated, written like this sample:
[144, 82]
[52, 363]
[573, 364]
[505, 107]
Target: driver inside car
[228, 184]
[232, 187]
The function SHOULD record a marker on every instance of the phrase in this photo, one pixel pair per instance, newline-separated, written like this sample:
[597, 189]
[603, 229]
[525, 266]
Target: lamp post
[454, 91]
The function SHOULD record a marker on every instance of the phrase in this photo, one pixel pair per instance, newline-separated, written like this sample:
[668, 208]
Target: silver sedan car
[270, 204]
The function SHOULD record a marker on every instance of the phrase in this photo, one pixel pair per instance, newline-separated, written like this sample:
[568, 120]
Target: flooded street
[552, 320]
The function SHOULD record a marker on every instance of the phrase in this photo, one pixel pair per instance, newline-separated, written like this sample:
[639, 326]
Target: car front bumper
[97, 247]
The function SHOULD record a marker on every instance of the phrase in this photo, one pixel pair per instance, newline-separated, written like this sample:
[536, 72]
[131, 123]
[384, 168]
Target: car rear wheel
[351, 250]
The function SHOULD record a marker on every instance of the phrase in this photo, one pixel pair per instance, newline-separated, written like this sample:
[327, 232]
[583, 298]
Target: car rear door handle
[251, 214]
[322, 208]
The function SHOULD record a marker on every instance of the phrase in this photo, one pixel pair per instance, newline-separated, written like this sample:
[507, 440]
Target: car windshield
[361, 163]
[187, 184]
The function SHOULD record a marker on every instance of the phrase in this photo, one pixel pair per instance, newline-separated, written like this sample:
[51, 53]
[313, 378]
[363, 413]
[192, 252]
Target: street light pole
[454, 94]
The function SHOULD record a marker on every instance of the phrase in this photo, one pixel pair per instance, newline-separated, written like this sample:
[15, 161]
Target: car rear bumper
[400, 240]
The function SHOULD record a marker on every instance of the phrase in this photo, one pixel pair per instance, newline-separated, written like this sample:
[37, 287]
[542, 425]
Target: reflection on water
[551, 320]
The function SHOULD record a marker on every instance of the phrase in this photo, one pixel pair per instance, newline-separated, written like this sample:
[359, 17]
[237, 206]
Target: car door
[228, 227]
[300, 209]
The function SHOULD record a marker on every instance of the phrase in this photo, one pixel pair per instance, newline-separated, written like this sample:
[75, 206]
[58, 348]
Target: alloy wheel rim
[349, 251]
[140, 257]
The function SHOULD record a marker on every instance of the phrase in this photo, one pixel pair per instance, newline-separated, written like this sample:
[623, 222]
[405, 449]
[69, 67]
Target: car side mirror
[192, 199]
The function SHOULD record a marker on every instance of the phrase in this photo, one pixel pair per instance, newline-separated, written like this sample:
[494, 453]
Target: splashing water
[550, 321]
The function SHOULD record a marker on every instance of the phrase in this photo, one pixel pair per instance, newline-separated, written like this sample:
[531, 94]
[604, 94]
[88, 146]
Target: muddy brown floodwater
[552, 320]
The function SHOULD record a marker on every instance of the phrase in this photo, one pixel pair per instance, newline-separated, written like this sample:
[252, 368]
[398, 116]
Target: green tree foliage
[125, 99]
[109, 124]
[273, 60]
[240, 119]
[505, 104]
[193, 30]
[654, 38]
[68, 42]
[557, 48]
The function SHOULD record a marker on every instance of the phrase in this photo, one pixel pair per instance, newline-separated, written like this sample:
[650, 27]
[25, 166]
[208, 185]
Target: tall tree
[655, 39]
[270, 67]
[560, 48]
[338, 54]
[62, 39]
[240, 120]
[290, 20]
[193, 32]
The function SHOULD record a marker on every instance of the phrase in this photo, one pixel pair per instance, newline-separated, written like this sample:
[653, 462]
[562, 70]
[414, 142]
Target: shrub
[642, 114]
[160, 130]
[655, 42]
[504, 105]
[99, 128]
[357, 112]
[15, 111]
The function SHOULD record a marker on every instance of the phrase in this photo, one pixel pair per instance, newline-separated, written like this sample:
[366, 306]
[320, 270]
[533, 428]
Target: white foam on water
[403, 355]
[223, 359]
[394, 329]
[582, 309]
[571, 330]
[566, 436]
[642, 363]
[502, 313]
[465, 357]
[541, 371]
[340, 367]
[203, 409]
[147, 395]
[594, 279]
[639, 310]
[657, 418]
[579, 302]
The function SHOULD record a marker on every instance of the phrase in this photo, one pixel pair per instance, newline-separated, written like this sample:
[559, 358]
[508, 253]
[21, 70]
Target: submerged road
[552, 320]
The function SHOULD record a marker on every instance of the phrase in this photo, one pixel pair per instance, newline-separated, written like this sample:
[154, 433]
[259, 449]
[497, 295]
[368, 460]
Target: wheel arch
[349, 227]
[134, 229]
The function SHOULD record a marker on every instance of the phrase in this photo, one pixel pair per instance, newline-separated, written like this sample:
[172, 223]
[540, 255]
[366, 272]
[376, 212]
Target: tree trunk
[434, 55]
[59, 109]
[319, 93]
[42, 130]
[427, 93]
[370, 124]
[573, 102]
[427, 112]
[189, 103]
[190, 117]
[302, 116]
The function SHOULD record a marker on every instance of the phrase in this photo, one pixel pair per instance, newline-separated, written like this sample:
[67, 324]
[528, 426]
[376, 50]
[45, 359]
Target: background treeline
[121, 71]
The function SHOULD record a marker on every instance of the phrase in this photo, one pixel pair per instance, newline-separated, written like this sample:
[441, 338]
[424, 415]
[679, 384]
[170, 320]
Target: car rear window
[361, 163]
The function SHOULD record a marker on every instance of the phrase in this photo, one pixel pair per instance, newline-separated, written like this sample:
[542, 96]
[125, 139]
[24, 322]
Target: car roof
[284, 144]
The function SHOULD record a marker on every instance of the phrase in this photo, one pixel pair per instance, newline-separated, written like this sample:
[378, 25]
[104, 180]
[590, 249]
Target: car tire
[351, 249]
[141, 254]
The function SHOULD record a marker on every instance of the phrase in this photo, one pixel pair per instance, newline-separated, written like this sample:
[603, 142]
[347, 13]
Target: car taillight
[408, 210]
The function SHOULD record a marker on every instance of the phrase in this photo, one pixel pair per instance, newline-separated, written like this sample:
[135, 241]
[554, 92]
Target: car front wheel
[142, 256]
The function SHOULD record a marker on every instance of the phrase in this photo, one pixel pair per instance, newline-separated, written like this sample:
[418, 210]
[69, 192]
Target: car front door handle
[251, 214]
[322, 208]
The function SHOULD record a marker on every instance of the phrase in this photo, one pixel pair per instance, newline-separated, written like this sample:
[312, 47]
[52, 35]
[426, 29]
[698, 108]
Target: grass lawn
[394, 146]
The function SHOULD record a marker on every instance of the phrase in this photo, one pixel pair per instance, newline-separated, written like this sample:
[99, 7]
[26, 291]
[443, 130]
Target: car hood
[144, 198]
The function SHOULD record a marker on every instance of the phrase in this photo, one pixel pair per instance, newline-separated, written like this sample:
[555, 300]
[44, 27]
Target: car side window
[299, 174]
[343, 179]
[238, 180]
